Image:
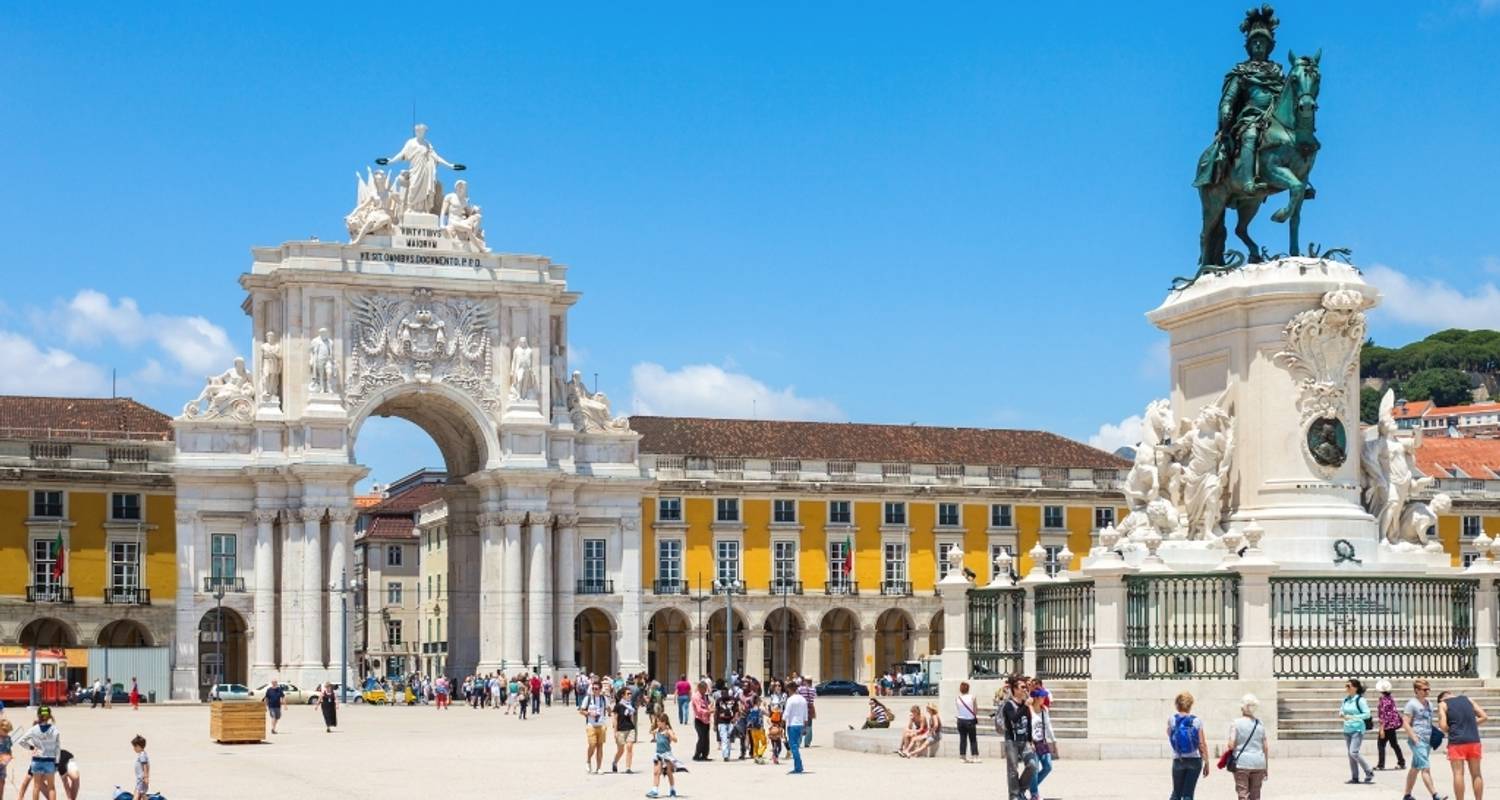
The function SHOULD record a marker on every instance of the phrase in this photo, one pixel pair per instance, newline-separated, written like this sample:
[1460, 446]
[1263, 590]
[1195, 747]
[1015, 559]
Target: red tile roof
[1411, 408]
[407, 502]
[390, 528]
[1476, 458]
[24, 417]
[691, 436]
[1472, 408]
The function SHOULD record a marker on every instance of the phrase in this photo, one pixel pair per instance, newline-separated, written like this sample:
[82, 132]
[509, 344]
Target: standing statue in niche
[422, 188]
[1388, 467]
[270, 367]
[322, 365]
[559, 371]
[462, 219]
[523, 385]
[590, 411]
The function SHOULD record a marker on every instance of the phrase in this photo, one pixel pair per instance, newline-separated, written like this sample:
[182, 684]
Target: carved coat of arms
[1321, 350]
[421, 339]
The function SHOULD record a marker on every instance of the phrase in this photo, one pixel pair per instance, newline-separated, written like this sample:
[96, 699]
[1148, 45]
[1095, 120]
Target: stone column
[696, 667]
[265, 595]
[755, 648]
[185, 651]
[1107, 659]
[812, 652]
[513, 626]
[865, 661]
[567, 577]
[632, 650]
[1485, 610]
[539, 593]
[340, 571]
[312, 593]
[955, 655]
[291, 590]
[491, 623]
[1028, 631]
[1255, 619]
[465, 586]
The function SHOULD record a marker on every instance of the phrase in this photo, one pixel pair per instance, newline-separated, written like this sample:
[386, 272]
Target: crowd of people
[53, 768]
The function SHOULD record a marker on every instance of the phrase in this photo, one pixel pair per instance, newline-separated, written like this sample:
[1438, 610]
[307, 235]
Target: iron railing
[1064, 630]
[127, 596]
[230, 585]
[595, 586]
[895, 588]
[735, 587]
[1387, 627]
[996, 632]
[1182, 626]
[660, 586]
[785, 586]
[49, 594]
[841, 586]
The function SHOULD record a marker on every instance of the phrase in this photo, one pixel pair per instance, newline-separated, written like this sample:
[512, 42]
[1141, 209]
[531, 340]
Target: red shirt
[536, 685]
[684, 688]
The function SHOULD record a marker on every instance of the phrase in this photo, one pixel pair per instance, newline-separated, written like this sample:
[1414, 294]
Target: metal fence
[1379, 626]
[1182, 626]
[1064, 629]
[997, 632]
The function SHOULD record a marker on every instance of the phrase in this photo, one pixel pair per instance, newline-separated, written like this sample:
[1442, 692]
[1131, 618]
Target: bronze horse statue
[1288, 147]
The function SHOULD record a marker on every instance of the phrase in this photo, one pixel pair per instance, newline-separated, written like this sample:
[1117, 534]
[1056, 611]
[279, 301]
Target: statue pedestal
[1280, 343]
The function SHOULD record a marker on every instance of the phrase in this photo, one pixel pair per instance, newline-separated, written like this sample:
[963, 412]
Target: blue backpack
[1184, 735]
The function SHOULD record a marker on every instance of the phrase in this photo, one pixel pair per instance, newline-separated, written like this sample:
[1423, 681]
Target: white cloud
[26, 368]
[1434, 304]
[704, 390]
[198, 346]
[1125, 433]
[1157, 362]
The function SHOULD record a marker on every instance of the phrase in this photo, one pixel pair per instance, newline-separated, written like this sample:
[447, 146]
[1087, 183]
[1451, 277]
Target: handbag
[1230, 759]
[1369, 721]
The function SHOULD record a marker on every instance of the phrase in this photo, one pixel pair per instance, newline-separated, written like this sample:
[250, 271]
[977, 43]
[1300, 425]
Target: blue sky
[944, 214]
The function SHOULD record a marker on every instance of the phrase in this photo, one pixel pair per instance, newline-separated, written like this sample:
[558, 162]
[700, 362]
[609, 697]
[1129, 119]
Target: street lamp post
[219, 635]
[343, 587]
[727, 586]
[700, 600]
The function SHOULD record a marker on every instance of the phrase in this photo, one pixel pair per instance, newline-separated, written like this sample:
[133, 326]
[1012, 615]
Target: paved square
[421, 752]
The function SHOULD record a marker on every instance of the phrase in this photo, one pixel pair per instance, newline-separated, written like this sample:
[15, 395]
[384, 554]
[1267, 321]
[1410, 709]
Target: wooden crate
[236, 723]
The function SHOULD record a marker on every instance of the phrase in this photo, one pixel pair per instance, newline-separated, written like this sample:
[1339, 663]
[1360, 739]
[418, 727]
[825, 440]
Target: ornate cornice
[489, 519]
[567, 520]
[341, 515]
[541, 517]
[266, 516]
[311, 513]
[512, 517]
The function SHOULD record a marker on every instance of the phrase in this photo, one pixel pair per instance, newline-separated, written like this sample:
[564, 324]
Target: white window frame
[1108, 511]
[1063, 516]
[777, 503]
[848, 506]
[894, 505]
[1478, 526]
[958, 513]
[995, 548]
[1050, 561]
[940, 547]
[394, 593]
[853, 576]
[738, 573]
[885, 562]
[796, 561]
[660, 561]
[394, 626]
[140, 505]
[1010, 513]
[215, 558]
[31, 509]
[661, 510]
[603, 561]
[394, 550]
[31, 562]
[719, 507]
[140, 563]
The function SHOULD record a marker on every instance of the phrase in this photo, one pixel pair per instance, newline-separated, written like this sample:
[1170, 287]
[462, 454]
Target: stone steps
[1308, 710]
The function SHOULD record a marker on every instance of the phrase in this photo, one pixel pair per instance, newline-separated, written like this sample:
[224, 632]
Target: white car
[293, 694]
[230, 692]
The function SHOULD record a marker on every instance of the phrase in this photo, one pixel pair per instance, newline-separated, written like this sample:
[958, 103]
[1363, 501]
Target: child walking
[776, 732]
[5, 729]
[755, 726]
[142, 767]
[663, 762]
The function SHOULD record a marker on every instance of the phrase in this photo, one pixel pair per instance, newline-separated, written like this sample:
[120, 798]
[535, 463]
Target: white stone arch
[448, 416]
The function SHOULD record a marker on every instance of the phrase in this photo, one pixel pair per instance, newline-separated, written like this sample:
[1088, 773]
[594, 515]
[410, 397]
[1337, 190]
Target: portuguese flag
[58, 565]
[848, 555]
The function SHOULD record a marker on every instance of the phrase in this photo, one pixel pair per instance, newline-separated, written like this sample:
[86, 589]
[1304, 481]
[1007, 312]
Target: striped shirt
[810, 695]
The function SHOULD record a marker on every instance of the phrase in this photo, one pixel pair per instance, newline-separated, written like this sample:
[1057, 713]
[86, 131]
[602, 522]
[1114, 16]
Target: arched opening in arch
[48, 632]
[783, 633]
[894, 633]
[717, 642]
[222, 657]
[839, 641]
[935, 635]
[667, 645]
[594, 642]
[124, 633]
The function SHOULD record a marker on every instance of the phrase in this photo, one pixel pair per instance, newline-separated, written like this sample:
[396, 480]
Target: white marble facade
[421, 327]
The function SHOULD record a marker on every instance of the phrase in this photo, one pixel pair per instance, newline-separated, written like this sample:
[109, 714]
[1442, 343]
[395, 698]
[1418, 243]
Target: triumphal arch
[413, 317]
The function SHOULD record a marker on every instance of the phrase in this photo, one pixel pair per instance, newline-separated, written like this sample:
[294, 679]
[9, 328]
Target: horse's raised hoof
[1280, 215]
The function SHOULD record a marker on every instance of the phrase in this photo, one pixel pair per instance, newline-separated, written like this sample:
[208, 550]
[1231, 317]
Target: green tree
[1444, 387]
[1369, 405]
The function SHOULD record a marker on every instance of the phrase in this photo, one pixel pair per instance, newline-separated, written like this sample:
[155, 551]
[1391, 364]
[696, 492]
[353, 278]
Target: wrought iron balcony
[841, 586]
[49, 594]
[735, 587]
[127, 596]
[587, 586]
[785, 586]
[669, 587]
[895, 588]
[230, 585]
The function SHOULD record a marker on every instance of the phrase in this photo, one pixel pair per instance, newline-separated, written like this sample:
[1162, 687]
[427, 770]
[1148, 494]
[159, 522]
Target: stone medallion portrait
[1327, 441]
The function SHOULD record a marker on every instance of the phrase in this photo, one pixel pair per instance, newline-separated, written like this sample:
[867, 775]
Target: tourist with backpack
[1189, 748]
[1355, 713]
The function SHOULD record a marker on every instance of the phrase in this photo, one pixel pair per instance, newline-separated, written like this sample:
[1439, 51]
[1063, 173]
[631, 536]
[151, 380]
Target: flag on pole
[848, 555]
[59, 564]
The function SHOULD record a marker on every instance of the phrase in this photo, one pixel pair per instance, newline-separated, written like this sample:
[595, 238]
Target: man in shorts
[1416, 722]
[274, 696]
[1460, 718]
[595, 712]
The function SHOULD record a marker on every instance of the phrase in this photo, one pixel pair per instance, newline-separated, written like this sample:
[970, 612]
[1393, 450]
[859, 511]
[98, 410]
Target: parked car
[230, 692]
[293, 694]
[843, 688]
[312, 696]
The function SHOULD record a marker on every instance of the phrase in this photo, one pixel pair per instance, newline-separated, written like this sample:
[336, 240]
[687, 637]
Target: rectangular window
[669, 561]
[47, 504]
[995, 551]
[440, 587]
[125, 507]
[393, 593]
[783, 565]
[1469, 559]
[784, 511]
[430, 595]
[429, 629]
[393, 555]
[727, 561]
[895, 566]
[1472, 526]
[594, 561]
[669, 509]
[895, 513]
[1000, 516]
[1051, 562]
[124, 566]
[840, 568]
[1052, 517]
[1104, 516]
[393, 631]
[728, 509]
[224, 556]
[943, 549]
[43, 558]
[948, 514]
[839, 512]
